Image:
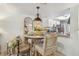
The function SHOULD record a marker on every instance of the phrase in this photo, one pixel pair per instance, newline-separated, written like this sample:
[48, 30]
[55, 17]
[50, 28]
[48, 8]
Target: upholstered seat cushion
[40, 49]
[24, 47]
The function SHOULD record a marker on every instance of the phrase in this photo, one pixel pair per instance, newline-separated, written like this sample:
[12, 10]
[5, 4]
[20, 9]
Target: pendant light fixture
[37, 23]
[37, 18]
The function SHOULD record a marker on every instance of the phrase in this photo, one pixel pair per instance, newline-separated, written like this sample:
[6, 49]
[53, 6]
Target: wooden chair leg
[35, 53]
[30, 50]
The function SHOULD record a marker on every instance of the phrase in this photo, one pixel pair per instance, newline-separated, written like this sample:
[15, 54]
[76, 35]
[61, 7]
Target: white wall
[12, 26]
[71, 45]
[45, 22]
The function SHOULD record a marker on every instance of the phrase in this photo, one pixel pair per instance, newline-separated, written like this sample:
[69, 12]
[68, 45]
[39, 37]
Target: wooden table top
[34, 37]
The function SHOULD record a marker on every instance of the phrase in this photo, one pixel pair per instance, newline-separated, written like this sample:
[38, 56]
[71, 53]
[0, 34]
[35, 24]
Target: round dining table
[33, 41]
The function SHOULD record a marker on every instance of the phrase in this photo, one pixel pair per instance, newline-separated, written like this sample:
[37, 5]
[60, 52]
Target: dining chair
[23, 49]
[48, 46]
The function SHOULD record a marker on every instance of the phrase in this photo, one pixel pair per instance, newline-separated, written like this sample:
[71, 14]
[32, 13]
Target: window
[53, 22]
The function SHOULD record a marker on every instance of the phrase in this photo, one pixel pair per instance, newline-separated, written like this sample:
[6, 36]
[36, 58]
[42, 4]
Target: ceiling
[46, 9]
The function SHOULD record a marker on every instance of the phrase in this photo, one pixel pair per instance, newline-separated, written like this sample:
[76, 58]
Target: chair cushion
[39, 49]
[49, 51]
[23, 48]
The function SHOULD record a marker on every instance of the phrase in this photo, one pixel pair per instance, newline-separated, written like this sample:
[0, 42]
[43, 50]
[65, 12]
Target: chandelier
[37, 21]
[37, 18]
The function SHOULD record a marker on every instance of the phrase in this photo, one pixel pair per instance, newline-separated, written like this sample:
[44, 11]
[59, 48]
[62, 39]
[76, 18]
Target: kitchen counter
[63, 35]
